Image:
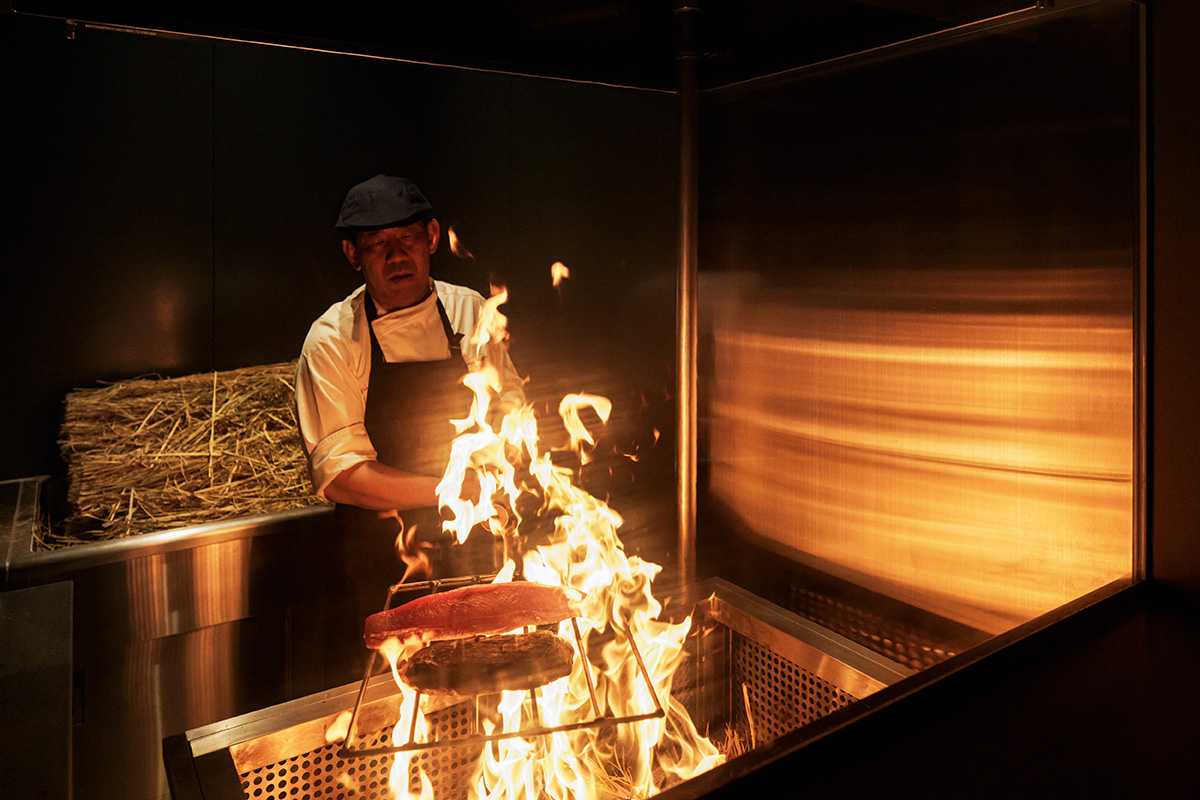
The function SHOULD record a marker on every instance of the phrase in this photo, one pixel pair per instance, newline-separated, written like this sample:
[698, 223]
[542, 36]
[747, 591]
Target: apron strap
[455, 339]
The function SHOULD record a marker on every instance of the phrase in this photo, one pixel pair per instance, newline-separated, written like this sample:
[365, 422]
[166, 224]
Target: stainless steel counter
[179, 629]
[35, 692]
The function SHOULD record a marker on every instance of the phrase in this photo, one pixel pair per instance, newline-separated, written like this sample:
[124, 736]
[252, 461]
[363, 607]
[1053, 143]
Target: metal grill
[751, 667]
[781, 695]
[321, 775]
[449, 768]
[903, 644]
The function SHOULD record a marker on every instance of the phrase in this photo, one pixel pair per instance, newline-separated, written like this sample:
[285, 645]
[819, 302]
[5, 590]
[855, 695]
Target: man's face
[395, 262]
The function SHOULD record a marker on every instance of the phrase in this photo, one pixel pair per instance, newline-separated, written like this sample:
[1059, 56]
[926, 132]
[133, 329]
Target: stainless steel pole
[687, 59]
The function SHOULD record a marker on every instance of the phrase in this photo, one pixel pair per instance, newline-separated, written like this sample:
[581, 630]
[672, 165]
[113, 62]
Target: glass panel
[918, 283]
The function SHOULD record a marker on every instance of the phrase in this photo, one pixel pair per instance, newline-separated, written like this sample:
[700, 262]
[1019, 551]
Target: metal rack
[750, 664]
[598, 720]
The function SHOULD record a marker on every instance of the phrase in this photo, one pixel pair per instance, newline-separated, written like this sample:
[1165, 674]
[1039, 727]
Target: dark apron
[409, 408]
[408, 412]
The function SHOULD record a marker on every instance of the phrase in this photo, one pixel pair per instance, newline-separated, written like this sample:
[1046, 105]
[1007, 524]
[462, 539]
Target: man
[379, 378]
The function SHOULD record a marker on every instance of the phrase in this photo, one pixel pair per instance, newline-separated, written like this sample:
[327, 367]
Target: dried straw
[152, 454]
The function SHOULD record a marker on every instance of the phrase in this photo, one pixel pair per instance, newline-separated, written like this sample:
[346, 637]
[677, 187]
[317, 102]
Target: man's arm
[370, 484]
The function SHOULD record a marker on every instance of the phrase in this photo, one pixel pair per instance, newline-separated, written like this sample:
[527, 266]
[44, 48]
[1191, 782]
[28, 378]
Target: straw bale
[151, 454]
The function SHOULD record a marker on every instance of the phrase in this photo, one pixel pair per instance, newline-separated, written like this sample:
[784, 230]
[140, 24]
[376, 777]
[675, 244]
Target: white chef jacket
[334, 370]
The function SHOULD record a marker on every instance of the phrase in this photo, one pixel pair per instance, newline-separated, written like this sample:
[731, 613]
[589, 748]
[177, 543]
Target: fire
[568, 409]
[414, 555]
[396, 652]
[337, 730]
[456, 245]
[585, 553]
[559, 273]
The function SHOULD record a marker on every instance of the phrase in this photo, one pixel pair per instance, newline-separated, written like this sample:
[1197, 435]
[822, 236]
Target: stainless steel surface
[1141, 317]
[852, 668]
[737, 641]
[18, 512]
[926, 268]
[35, 691]
[688, 59]
[179, 629]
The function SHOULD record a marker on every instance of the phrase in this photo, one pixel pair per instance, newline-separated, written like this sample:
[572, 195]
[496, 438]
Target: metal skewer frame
[599, 720]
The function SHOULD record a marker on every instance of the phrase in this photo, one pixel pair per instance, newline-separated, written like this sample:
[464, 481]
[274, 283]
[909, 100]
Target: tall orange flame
[584, 553]
[456, 245]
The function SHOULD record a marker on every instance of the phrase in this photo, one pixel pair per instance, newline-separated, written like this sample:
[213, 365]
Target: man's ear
[351, 254]
[434, 231]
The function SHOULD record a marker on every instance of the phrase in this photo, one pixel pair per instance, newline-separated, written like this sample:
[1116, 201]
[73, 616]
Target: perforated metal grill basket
[753, 672]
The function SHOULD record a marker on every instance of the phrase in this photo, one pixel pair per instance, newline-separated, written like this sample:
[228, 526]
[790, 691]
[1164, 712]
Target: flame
[559, 273]
[568, 409]
[491, 327]
[414, 555]
[487, 473]
[337, 730]
[396, 652]
[456, 245]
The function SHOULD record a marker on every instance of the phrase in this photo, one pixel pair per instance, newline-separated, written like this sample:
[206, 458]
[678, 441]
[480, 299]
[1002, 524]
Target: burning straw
[151, 454]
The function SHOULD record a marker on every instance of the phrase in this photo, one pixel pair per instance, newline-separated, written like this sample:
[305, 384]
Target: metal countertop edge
[723, 776]
[25, 562]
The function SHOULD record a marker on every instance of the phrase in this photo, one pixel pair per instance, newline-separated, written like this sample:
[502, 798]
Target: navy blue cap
[382, 202]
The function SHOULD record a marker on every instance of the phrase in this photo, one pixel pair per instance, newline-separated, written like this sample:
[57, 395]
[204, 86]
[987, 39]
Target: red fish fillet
[471, 611]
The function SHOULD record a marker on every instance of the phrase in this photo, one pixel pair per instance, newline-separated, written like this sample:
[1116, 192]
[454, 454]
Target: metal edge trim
[320, 46]
[26, 493]
[723, 774]
[1040, 9]
[884, 51]
[687, 296]
[832, 657]
[182, 781]
[1141, 365]
[248, 727]
[28, 562]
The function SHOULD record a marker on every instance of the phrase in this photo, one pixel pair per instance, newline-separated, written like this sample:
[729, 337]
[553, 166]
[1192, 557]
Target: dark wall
[1174, 520]
[108, 231]
[170, 203]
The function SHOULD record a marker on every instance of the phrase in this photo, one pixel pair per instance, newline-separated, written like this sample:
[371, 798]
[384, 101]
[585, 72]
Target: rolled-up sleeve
[330, 406]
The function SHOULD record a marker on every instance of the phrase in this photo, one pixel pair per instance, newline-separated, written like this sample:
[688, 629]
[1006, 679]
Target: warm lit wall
[921, 273]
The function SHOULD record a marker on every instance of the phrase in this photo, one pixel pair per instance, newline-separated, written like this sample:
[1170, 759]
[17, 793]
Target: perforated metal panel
[752, 673]
[321, 775]
[449, 768]
[782, 695]
[903, 644]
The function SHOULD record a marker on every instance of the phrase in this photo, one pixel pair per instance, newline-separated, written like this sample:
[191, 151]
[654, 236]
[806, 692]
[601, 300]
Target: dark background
[1102, 705]
[170, 205]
